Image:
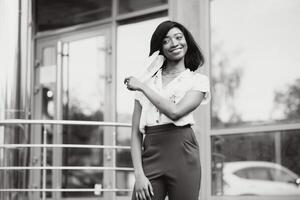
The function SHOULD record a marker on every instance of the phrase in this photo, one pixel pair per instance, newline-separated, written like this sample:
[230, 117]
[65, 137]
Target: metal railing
[44, 146]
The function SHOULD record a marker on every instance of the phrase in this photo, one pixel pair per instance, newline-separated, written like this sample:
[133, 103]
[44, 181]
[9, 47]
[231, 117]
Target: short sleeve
[138, 96]
[201, 83]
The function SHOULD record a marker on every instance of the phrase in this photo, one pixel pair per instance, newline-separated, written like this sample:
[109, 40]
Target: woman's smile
[174, 45]
[176, 50]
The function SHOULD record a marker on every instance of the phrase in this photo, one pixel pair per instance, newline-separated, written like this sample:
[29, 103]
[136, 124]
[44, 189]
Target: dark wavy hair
[193, 58]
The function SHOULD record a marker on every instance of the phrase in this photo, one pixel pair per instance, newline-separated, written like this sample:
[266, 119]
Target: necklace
[171, 74]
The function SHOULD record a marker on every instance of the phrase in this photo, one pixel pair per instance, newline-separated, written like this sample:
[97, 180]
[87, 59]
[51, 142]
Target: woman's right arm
[143, 186]
[136, 140]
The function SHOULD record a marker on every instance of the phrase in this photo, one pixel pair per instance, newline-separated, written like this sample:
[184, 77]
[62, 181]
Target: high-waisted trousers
[171, 162]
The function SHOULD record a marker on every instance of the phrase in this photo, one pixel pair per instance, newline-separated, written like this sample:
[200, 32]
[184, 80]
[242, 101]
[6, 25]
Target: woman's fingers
[127, 83]
[147, 194]
[139, 196]
[126, 80]
[143, 189]
[150, 189]
[130, 83]
[142, 195]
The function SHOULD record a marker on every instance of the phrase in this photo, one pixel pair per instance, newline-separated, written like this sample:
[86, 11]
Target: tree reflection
[287, 102]
[82, 157]
[290, 150]
[226, 79]
[287, 106]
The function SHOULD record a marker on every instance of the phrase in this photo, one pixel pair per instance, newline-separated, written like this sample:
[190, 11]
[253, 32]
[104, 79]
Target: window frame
[271, 128]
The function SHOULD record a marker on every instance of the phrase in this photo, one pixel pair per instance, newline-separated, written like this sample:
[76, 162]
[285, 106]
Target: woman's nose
[174, 42]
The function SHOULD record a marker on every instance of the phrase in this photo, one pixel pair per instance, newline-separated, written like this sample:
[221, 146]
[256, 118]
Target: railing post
[2, 162]
[38, 166]
[44, 162]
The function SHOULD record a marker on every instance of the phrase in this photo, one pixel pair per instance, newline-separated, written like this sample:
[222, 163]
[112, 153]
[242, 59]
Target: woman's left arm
[187, 104]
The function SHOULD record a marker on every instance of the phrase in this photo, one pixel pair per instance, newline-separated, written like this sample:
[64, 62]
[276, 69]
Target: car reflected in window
[259, 178]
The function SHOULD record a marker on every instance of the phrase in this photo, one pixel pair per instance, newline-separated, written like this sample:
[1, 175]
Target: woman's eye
[165, 41]
[179, 37]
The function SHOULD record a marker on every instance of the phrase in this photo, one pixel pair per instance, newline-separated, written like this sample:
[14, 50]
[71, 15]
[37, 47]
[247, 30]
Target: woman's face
[174, 45]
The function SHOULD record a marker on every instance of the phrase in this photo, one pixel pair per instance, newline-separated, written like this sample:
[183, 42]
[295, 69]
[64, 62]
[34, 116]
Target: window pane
[256, 164]
[255, 61]
[127, 6]
[282, 176]
[259, 173]
[84, 99]
[47, 80]
[53, 14]
[132, 50]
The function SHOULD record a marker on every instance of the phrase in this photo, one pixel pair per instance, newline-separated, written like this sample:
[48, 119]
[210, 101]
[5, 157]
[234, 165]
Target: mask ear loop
[155, 65]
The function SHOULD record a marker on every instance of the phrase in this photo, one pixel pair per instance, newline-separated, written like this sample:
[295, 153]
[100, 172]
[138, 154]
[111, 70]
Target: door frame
[108, 136]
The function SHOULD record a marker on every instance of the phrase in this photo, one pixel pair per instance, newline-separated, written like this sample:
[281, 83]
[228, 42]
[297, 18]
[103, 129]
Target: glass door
[73, 82]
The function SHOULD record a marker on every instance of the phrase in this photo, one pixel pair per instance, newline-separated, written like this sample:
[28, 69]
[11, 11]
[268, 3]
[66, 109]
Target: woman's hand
[133, 83]
[143, 188]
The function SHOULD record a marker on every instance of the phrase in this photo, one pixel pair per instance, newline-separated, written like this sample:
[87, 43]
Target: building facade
[65, 114]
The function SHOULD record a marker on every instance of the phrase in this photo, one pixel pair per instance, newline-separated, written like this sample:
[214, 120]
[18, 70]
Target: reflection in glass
[255, 64]
[84, 99]
[256, 164]
[47, 81]
[132, 50]
[48, 114]
[127, 6]
[56, 14]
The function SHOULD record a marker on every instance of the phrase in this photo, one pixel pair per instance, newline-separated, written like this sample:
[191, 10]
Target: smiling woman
[163, 113]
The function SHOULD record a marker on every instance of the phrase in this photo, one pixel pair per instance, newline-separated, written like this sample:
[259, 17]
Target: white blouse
[174, 91]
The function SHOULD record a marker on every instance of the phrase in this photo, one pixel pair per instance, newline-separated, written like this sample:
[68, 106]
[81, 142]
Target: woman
[166, 161]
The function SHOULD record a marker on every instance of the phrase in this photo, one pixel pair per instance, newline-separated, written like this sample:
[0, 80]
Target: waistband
[164, 127]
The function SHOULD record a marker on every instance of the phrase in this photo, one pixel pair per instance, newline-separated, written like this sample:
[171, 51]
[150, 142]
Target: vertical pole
[278, 158]
[111, 57]
[197, 21]
[57, 135]
[44, 162]
[10, 84]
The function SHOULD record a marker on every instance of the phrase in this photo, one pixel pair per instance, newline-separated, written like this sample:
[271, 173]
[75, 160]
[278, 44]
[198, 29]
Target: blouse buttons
[173, 98]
